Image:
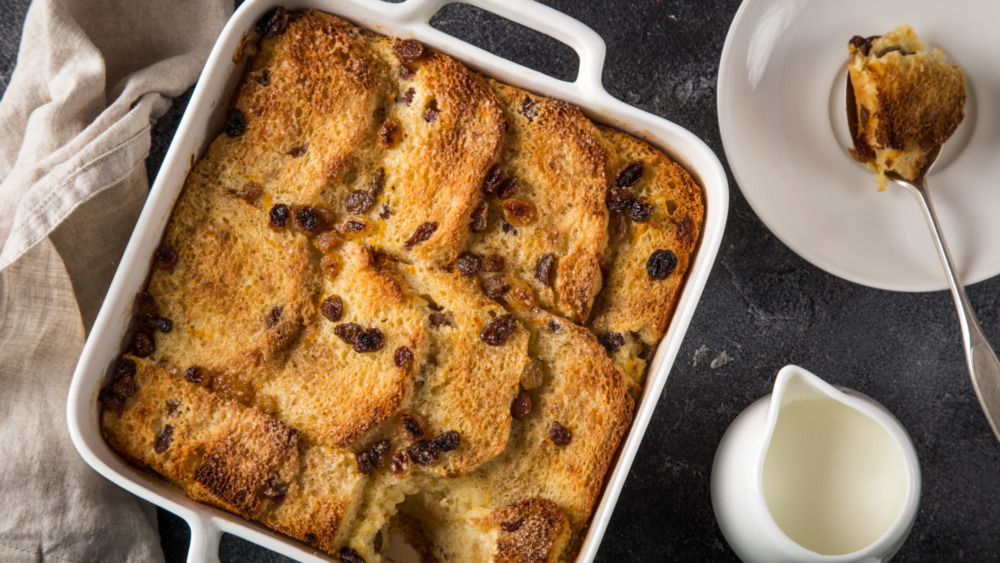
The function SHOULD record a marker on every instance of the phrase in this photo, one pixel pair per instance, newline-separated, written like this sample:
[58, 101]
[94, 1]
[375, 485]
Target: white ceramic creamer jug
[815, 473]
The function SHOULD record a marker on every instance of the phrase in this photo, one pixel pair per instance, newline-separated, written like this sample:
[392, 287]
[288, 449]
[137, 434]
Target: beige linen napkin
[91, 76]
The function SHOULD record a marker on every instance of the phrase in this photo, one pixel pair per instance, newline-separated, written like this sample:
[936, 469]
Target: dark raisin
[630, 174]
[165, 258]
[402, 356]
[447, 442]
[377, 182]
[125, 368]
[480, 218]
[661, 264]
[431, 115]
[348, 332]
[618, 199]
[529, 108]
[408, 50]
[641, 210]
[365, 462]
[543, 269]
[172, 406]
[279, 215]
[272, 22]
[275, 488]
[298, 151]
[508, 228]
[423, 232]
[235, 123]
[353, 226]
[469, 263]
[422, 453]
[125, 387]
[492, 180]
[494, 263]
[400, 462]
[518, 211]
[143, 344]
[379, 449]
[274, 316]
[311, 539]
[507, 188]
[437, 318]
[194, 374]
[146, 305]
[370, 340]
[387, 134]
[499, 330]
[408, 95]
[250, 192]
[406, 73]
[309, 220]
[332, 308]
[112, 401]
[385, 212]
[348, 555]
[161, 324]
[359, 201]
[612, 342]
[163, 439]
[264, 78]
[521, 405]
[554, 326]
[411, 426]
[377, 541]
[559, 434]
[512, 526]
[495, 287]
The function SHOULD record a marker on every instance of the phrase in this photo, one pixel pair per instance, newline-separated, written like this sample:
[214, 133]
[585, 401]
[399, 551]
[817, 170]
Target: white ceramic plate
[781, 114]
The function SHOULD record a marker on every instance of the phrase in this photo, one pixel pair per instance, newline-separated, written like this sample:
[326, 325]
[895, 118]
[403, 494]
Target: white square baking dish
[203, 120]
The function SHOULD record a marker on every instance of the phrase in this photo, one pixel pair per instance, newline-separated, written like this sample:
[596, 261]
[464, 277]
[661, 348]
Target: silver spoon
[984, 368]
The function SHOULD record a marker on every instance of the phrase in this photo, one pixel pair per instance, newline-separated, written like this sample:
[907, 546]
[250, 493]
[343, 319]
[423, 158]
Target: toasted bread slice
[633, 310]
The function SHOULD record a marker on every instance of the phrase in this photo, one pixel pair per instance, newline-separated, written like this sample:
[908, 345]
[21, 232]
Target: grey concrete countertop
[763, 308]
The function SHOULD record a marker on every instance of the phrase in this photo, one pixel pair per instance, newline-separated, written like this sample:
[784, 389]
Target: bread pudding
[398, 296]
[909, 102]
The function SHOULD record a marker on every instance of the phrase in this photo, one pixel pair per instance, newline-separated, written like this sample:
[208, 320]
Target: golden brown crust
[530, 531]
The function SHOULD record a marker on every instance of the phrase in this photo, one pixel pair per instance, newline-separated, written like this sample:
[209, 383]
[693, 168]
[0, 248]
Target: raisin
[330, 265]
[423, 232]
[612, 342]
[112, 401]
[406, 72]
[125, 368]
[507, 228]
[298, 151]
[507, 188]
[348, 332]
[194, 374]
[353, 226]
[332, 308]
[543, 269]
[554, 327]
[559, 434]
[143, 344]
[495, 287]
[618, 199]
[661, 264]
[469, 263]
[275, 488]
[348, 555]
[438, 318]
[617, 226]
[512, 526]
[521, 405]
[402, 356]
[161, 324]
[630, 174]
[172, 406]
[385, 212]
[518, 212]
[365, 462]
[494, 263]
[359, 201]
[309, 220]
[146, 305]
[641, 210]
[431, 115]
[272, 22]
[165, 258]
[408, 50]
[400, 462]
[492, 180]
[163, 439]
[411, 426]
[250, 192]
[370, 340]
[274, 316]
[408, 95]
[532, 375]
[377, 182]
[264, 78]
[235, 123]
[422, 453]
[529, 109]
[377, 541]
[279, 215]
[499, 330]
[378, 450]
[480, 218]
[124, 387]
[388, 133]
[311, 539]
[446, 442]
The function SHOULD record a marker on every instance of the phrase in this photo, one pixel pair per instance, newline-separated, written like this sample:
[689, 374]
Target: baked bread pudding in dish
[909, 101]
[397, 296]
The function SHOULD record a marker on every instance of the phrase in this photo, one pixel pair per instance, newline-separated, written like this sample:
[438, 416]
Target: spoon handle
[984, 367]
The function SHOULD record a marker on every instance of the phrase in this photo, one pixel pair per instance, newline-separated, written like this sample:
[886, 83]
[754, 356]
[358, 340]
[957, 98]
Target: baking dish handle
[205, 537]
[585, 41]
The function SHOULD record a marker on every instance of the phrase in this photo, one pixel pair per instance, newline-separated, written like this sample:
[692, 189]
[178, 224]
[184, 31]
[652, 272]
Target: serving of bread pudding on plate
[398, 296]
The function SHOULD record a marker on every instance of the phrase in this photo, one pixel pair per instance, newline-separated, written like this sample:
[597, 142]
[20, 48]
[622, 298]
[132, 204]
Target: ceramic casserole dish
[203, 120]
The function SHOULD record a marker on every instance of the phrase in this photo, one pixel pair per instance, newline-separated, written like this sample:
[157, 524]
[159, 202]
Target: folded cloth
[91, 77]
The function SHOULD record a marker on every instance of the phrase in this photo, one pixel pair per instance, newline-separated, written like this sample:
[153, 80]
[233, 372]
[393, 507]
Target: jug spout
[795, 384]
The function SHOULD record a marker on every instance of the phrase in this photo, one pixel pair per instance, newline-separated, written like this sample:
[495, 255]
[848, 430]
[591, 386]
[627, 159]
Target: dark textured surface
[763, 307]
